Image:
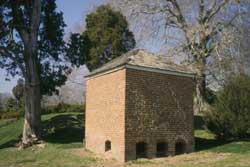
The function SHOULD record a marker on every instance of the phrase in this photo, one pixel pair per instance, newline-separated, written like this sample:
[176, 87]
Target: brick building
[140, 105]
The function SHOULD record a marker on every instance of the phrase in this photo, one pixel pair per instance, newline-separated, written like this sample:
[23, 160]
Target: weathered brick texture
[131, 106]
[105, 114]
[159, 108]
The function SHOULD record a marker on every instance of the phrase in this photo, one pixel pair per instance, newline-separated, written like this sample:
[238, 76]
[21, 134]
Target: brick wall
[105, 114]
[131, 106]
[159, 108]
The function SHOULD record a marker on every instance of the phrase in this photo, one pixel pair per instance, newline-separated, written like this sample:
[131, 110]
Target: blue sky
[74, 11]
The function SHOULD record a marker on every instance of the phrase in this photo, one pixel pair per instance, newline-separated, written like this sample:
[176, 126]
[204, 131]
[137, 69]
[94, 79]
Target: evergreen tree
[18, 90]
[230, 116]
[11, 105]
[106, 36]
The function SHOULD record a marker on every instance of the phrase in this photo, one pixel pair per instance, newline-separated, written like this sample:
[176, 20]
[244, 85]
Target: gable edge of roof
[142, 68]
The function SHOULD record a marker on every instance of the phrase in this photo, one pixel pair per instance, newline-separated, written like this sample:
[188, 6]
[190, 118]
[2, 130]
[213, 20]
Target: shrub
[14, 106]
[62, 108]
[229, 117]
[209, 96]
[8, 115]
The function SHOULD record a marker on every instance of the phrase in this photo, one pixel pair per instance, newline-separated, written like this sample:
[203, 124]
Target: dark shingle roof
[143, 59]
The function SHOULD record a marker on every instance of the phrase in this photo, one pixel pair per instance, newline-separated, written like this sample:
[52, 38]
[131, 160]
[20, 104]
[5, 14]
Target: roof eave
[163, 71]
[142, 68]
[103, 72]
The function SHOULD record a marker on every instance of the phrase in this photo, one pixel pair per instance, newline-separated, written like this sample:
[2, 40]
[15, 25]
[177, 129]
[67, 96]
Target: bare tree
[232, 54]
[200, 29]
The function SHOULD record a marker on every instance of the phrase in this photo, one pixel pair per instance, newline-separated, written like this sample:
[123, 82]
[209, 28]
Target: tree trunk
[200, 87]
[32, 119]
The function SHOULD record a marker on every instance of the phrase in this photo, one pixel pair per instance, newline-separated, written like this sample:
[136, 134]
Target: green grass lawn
[64, 133]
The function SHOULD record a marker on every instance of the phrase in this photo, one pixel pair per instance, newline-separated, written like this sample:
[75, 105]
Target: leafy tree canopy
[106, 36]
[32, 46]
[15, 25]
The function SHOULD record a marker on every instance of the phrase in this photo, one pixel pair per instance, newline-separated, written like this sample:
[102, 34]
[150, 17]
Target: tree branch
[201, 9]
[18, 22]
[214, 10]
[211, 7]
[178, 14]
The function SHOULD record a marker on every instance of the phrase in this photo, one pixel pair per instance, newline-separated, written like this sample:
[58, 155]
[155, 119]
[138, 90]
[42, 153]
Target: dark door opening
[161, 149]
[180, 148]
[107, 145]
[141, 150]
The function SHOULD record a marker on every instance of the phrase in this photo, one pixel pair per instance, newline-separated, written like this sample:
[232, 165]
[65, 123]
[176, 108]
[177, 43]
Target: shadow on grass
[62, 129]
[10, 143]
[222, 146]
[202, 143]
[206, 144]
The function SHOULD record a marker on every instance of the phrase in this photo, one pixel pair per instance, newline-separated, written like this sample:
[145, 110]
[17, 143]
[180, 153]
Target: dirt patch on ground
[192, 159]
[100, 160]
[82, 153]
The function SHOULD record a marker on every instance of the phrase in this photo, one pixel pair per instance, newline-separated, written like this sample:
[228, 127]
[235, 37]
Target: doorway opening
[180, 147]
[107, 145]
[141, 150]
[161, 149]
